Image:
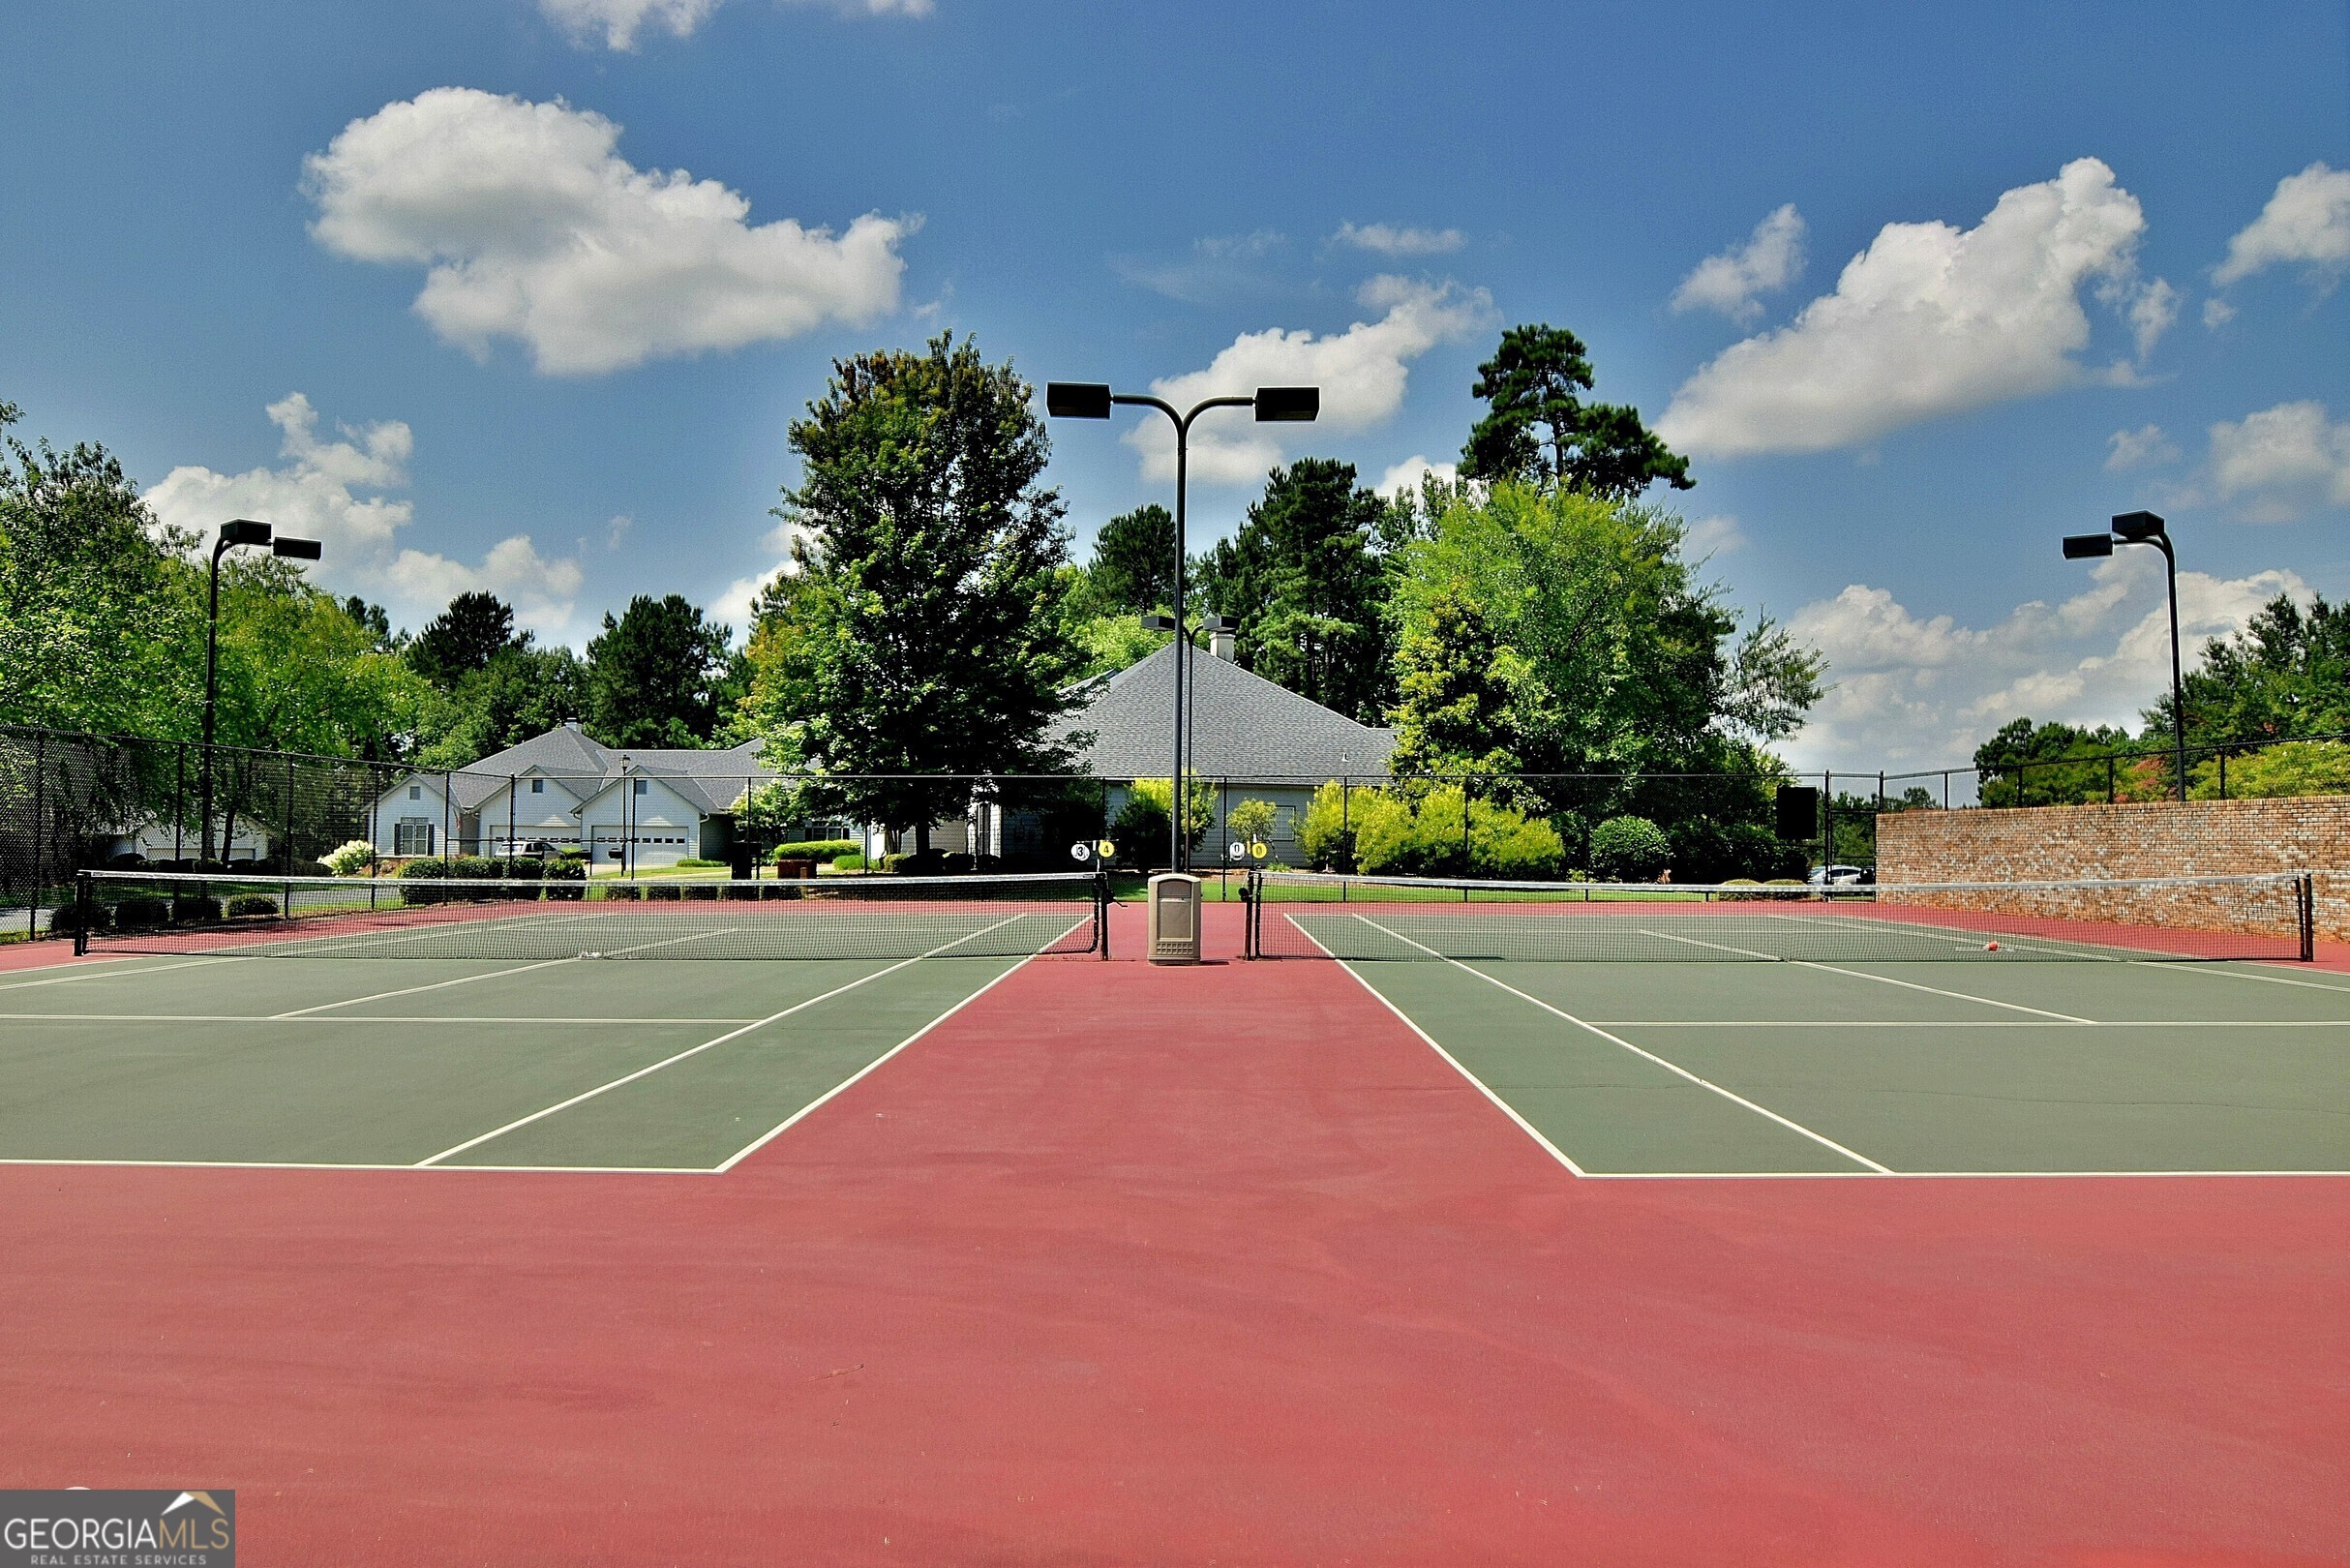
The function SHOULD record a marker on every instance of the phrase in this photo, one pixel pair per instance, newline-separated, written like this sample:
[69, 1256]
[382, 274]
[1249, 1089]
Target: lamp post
[1274, 405]
[240, 531]
[2146, 528]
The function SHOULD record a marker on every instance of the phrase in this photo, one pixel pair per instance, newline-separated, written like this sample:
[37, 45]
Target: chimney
[573, 725]
[1222, 637]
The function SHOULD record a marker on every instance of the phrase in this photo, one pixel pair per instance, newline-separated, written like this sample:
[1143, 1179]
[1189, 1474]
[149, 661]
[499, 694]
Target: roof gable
[1241, 726]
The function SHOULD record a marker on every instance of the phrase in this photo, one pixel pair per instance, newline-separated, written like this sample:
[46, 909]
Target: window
[415, 792]
[413, 835]
[538, 786]
[643, 786]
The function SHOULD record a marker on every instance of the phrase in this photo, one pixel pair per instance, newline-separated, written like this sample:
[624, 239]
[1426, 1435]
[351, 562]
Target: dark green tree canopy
[1304, 578]
[655, 675]
[1133, 566]
[1537, 427]
[930, 638]
[463, 639]
[2287, 674]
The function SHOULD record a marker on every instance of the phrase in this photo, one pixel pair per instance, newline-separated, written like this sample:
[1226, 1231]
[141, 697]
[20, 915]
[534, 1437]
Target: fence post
[2110, 796]
[1347, 827]
[1827, 825]
[449, 784]
[2223, 775]
[41, 831]
[287, 855]
[179, 803]
[512, 784]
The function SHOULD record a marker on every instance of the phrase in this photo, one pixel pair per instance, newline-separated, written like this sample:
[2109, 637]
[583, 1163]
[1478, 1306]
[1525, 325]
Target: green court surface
[556, 1065]
[1804, 1068]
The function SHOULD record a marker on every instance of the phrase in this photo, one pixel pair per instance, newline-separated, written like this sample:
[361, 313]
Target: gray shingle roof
[714, 780]
[1243, 726]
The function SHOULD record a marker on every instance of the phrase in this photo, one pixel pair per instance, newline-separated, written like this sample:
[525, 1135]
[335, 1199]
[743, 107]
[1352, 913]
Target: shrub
[623, 893]
[695, 863]
[67, 921]
[1439, 833]
[474, 868]
[417, 873]
[1327, 836]
[1252, 821]
[893, 865]
[2287, 767]
[701, 891]
[1141, 830]
[194, 909]
[565, 880]
[140, 912]
[818, 849]
[1629, 849]
[349, 859]
[526, 873]
[851, 862]
[248, 904]
[665, 892]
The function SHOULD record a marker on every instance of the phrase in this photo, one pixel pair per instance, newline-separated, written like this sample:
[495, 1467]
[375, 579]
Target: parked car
[1841, 876]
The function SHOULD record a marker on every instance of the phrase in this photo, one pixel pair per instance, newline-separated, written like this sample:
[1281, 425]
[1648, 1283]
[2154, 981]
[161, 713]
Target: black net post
[2307, 892]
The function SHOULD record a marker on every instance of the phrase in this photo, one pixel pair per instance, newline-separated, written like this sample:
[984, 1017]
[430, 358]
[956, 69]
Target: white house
[640, 806]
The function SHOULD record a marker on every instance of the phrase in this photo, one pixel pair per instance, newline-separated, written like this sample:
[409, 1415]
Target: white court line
[411, 991]
[696, 1050]
[2242, 974]
[1936, 990]
[780, 1128]
[1616, 1040]
[363, 1018]
[1966, 1023]
[116, 973]
[1934, 1175]
[1504, 1107]
[321, 1164]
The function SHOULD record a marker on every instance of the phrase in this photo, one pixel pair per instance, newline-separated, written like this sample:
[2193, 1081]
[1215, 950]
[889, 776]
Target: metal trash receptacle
[1174, 918]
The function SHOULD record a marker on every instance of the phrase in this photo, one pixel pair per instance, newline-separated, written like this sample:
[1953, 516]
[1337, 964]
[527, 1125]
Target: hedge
[817, 849]
[252, 904]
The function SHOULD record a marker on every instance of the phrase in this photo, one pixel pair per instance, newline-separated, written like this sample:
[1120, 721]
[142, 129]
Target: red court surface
[1223, 1265]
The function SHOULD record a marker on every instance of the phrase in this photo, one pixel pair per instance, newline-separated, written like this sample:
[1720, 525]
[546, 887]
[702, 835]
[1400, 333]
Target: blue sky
[427, 280]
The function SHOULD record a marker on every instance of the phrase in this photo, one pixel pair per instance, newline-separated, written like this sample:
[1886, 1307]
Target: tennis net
[1300, 915]
[865, 917]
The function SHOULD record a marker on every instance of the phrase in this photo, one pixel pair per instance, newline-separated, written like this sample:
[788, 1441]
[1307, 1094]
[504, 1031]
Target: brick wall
[2149, 838]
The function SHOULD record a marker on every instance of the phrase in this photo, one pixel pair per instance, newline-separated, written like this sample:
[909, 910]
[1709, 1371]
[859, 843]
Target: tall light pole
[2146, 528]
[241, 531]
[1274, 405]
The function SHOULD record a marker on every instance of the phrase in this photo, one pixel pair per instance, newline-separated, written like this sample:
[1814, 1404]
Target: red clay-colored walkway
[1128, 1265]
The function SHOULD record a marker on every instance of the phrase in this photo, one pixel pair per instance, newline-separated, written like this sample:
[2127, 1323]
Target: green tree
[463, 639]
[655, 675]
[1538, 427]
[1459, 690]
[933, 641]
[1133, 566]
[101, 628]
[2055, 764]
[1624, 662]
[2287, 674]
[1304, 578]
[526, 690]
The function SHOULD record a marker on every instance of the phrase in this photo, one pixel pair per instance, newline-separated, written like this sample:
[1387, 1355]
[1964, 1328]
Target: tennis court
[1645, 1036]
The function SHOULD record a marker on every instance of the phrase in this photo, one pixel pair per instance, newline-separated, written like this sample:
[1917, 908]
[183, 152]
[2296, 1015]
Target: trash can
[1174, 918]
[740, 865]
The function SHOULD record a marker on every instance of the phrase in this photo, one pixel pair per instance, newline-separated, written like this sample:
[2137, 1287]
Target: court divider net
[525, 917]
[1317, 915]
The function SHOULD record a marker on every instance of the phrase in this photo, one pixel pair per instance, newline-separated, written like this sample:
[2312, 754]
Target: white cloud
[619, 21]
[1913, 691]
[733, 606]
[314, 495]
[1771, 259]
[1929, 320]
[2278, 463]
[2216, 313]
[1361, 371]
[2138, 449]
[2152, 309]
[1712, 536]
[534, 229]
[2306, 219]
[1404, 478]
[1220, 268]
[1396, 240]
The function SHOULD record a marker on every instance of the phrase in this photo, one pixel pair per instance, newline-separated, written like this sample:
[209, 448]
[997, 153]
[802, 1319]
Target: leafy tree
[932, 639]
[1440, 833]
[101, 628]
[375, 617]
[1621, 662]
[1538, 427]
[654, 676]
[1459, 690]
[1629, 849]
[1133, 566]
[526, 690]
[2287, 767]
[1304, 578]
[2287, 674]
[2055, 764]
[463, 639]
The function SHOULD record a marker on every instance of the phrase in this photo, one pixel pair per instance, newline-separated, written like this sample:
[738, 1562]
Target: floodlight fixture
[1159, 624]
[2087, 546]
[243, 531]
[1222, 623]
[2138, 527]
[1078, 400]
[297, 548]
[1287, 405]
